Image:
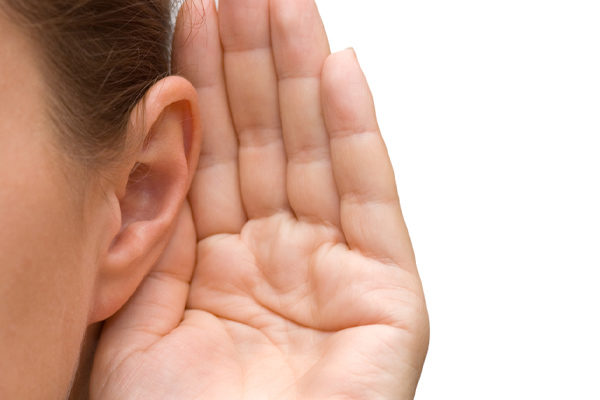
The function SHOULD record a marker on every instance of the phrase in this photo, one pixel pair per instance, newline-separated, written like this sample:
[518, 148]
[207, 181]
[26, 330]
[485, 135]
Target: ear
[149, 190]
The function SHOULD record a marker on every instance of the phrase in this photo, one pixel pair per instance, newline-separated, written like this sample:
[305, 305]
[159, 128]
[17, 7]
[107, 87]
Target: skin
[74, 246]
[29, 279]
[291, 274]
[277, 263]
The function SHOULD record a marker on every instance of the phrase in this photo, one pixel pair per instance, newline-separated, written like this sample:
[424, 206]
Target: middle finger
[300, 48]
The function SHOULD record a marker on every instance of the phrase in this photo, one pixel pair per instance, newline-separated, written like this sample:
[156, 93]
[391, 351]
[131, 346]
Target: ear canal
[138, 203]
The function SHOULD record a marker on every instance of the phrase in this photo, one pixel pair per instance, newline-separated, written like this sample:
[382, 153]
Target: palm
[290, 273]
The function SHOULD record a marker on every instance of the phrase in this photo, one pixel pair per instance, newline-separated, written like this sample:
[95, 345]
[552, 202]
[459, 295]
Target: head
[98, 145]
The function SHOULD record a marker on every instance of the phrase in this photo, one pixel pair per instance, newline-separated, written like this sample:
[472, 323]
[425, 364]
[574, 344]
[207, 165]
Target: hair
[99, 58]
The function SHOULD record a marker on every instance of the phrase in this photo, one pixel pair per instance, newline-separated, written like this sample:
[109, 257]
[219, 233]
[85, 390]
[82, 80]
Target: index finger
[370, 212]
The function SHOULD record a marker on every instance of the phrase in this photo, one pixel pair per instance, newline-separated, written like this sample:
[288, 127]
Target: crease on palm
[297, 234]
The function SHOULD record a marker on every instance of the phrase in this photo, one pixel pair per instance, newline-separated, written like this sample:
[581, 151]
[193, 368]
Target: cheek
[45, 281]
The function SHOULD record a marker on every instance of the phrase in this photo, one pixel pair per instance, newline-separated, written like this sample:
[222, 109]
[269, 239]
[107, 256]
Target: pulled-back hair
[98, 58]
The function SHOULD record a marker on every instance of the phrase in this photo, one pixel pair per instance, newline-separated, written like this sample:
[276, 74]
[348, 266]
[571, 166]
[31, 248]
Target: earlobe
[151, 189]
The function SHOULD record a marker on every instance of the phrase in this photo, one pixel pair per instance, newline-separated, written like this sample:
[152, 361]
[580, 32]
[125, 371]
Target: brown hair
[99, 58]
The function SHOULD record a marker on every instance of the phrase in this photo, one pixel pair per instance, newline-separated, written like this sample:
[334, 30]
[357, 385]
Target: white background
[491, 112]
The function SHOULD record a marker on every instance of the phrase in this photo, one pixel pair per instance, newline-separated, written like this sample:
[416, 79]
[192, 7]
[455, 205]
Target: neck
[81, 383]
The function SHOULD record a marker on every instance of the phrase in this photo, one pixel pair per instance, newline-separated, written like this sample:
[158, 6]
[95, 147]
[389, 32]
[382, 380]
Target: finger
[300, 48]
[252, 88]
[197, 55]
[370, 213]
[158, 304]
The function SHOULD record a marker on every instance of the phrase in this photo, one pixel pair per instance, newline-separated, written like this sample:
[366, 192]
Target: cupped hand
[290, 274]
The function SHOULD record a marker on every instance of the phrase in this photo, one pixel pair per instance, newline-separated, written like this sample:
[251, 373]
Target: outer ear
[149, 190]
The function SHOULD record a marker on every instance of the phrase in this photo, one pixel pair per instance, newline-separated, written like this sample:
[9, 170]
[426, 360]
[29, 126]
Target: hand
[291, 274]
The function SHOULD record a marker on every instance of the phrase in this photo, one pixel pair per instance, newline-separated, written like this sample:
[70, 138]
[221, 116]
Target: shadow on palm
[290, 273]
